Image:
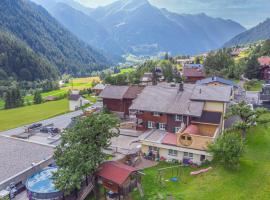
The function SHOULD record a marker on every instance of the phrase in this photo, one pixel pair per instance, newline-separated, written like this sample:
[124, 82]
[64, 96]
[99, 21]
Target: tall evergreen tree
[13, 98]
[253, 68]
[37, 97]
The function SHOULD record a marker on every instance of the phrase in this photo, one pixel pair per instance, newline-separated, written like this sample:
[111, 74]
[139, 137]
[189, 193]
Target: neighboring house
[217, 81]
[97, 89]
[193, 66]
[50, 98]
[118, 99]
[118, 178]
[20, 159]
[184, 61]
[147, 79]
[265, 93]
[180, 121]
[76, 101]
[193, 74]
[265, 67]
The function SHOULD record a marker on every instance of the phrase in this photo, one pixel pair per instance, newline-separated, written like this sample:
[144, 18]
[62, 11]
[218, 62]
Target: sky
[247, 12]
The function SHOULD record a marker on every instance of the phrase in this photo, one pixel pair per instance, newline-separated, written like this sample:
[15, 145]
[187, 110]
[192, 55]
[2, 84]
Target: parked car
[34, 126]
[49, 130]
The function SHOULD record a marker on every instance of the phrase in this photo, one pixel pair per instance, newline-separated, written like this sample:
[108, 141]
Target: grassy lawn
[25, 115]
[250, 182]
[80, 83]
[92, 99]
[254, 85]
[55, 93]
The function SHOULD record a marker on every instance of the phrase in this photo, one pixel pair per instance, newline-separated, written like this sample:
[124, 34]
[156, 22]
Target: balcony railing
[265, 97]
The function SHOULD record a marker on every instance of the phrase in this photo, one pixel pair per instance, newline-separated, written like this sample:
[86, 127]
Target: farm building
[118, 99]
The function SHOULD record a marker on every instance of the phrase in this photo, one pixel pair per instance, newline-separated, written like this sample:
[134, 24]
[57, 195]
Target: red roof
[192, 129]
[169, 139]
[193, 72]
[265, 60]
[115, 171]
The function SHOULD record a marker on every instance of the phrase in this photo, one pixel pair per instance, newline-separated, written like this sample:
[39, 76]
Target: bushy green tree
[252, 68]
[217, 63]
[13, 98]
[247, 117]
[227, 149]
[37, 97]
[81, 149]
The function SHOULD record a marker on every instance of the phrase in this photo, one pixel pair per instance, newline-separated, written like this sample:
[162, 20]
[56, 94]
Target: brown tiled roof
[193, 72]
[115, 171]
[120, 92]
[114, 92]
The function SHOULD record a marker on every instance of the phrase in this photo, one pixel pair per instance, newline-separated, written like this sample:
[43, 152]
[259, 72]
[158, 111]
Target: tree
[217, 63]
[37, 97]
[166, 56]
[227, 149]
[265, 50]
[13, 98]
[167, 70]
[81, 150]
[252, 68]
[248, 117]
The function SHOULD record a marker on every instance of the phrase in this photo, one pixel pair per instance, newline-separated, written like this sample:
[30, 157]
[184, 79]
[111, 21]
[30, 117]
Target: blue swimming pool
[41, 186]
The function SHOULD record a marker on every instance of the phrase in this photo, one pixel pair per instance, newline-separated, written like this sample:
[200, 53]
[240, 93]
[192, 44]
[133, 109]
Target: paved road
[61, 122]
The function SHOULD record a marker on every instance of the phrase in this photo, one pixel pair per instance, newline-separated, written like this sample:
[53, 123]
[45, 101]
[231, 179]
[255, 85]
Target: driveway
[61, 122]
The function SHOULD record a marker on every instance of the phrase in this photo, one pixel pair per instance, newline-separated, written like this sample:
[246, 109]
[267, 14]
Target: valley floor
[250, 182]
[13, 118]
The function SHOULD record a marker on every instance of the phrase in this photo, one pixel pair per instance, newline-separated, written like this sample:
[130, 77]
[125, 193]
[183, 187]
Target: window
[172, 152]
[188, 155]
[153, 148]
[189, 138]
[156, 114]
[162, 126]
[178, 118]
[150, 124]
[177, 129]
[183, 137]
[202, 157]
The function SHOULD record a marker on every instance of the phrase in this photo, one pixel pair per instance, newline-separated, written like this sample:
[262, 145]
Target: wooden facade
[171, 124]
[117, 105]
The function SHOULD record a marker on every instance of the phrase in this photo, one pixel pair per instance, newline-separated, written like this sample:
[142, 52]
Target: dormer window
[179, 118]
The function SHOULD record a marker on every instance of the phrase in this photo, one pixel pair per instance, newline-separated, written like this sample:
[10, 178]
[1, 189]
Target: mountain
[141, 28]
[17, 60]
[40, 31]
[259, 32]
[84, 27]
[137, 27]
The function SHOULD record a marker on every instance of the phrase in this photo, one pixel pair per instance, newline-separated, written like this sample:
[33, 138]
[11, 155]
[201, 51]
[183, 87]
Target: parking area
[43, 137]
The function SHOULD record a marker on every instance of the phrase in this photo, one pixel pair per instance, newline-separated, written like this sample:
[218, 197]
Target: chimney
[181, 87]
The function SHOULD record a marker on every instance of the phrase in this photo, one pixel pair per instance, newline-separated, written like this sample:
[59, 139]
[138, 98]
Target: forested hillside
[259, 32]
[17, 60]
[34, 25]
